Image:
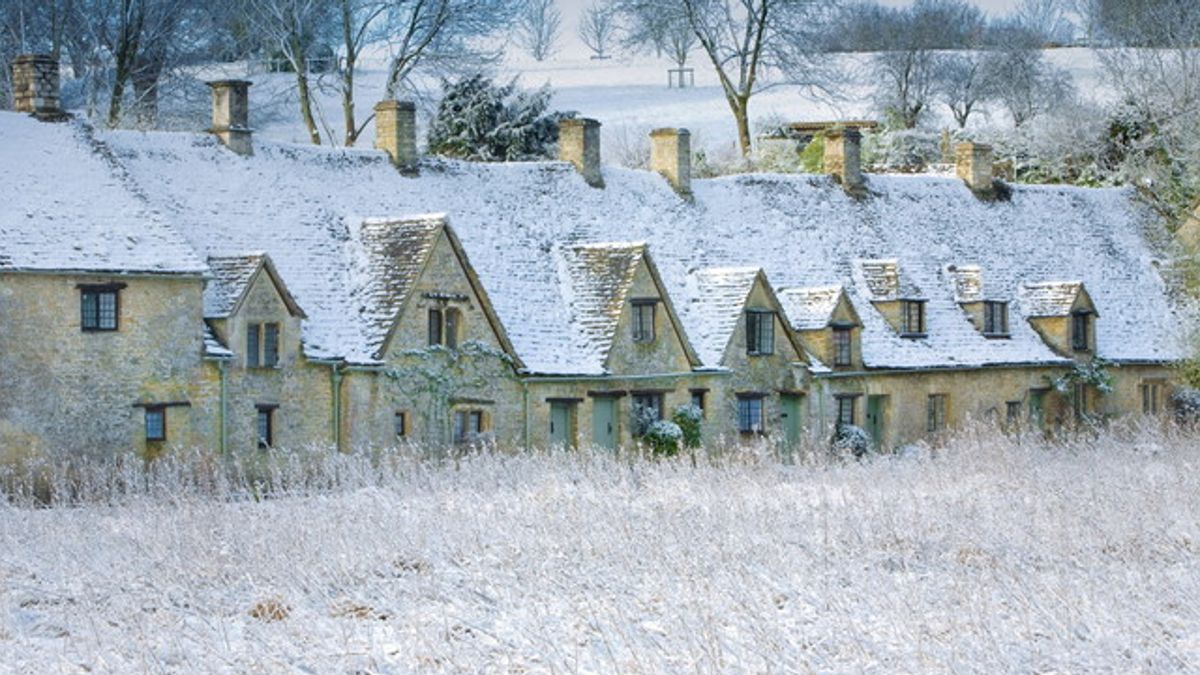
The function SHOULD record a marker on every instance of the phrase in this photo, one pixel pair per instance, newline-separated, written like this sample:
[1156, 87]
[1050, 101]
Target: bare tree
[1020, 77]
[963, 81]
[440, 33]
[1048, 18]
[293, 28]
[539, 27]
[597, 29]
[357, 19]
[906, 72]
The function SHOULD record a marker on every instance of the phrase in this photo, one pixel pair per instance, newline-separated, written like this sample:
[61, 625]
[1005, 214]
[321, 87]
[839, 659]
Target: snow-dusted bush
[907, 150]
[482, 121]
[1186, 402]
[663, 437]
[689, 418]
[849, 439]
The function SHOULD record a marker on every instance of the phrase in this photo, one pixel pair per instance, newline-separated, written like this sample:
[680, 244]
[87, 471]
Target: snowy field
[988, 556]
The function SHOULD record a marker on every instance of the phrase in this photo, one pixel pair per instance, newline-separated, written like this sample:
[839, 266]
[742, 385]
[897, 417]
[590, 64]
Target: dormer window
[262, 345]
[912, 318]
[444, 326]
[643, 320]
[1081, 339]
[995, 319]
[760, 332]
[843, 354]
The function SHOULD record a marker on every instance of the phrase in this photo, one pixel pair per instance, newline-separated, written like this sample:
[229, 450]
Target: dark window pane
[643, 322]
[452, 328]
[401, 425]
[841, 344]
[108, 310]
[265, 430]
[845, 411]
[89, 306]
[270, 345]
[750, 413]
[253, 350]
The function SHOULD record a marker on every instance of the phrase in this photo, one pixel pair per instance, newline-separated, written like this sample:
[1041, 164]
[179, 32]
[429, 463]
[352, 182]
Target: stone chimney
[579, 144]
[671, 155]
[396, 133]
[231, 115]
[974, 166]
[35, 85]
[843, 158]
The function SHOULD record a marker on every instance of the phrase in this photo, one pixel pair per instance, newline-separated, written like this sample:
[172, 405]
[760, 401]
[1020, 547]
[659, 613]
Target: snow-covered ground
[990, 557]
[628, 94]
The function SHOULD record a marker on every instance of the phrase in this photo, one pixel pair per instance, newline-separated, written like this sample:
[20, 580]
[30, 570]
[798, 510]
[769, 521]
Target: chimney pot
[35, 85]
[579, 144]
[231, 115]
[843, 158]
[671, 156]
[974, 166]
[396, 133]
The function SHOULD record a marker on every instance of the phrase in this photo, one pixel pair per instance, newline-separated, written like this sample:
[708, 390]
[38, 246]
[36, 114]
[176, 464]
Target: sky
[994, 7]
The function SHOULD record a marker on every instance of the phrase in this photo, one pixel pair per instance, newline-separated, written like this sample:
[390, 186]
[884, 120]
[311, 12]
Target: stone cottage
[210, 288]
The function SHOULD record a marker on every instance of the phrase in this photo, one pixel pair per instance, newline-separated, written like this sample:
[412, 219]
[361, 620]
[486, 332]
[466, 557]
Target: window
[760, 332]
[156, 423]
[913, 318]
[468, 425]
[935, 419]
[444, 326]
[99, 307]
[842, 354]
[1080, 329]
[750, 414]
[1012, 413]
[995, 319]
[435, 327]
[1151, 398]
[647, 409]
[400, 425]
[262, 345]
[845, 411]
[266, 426]
[643, 320]
[698, 398]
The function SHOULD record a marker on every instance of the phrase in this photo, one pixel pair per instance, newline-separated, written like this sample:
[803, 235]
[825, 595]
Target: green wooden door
[1037, 408]
[793, 419]
[604, 422]
[876, 409]
[561, 434]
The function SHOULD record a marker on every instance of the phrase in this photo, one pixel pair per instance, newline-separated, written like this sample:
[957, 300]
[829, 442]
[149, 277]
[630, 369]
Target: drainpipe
[821, 404]
[223, 407]
[525, 413]
[335, 381]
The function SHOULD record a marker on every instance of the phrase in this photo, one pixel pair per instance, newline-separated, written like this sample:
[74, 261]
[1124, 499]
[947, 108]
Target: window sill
[914, 336]
[760, 353]
[99, 330]
[998, 336]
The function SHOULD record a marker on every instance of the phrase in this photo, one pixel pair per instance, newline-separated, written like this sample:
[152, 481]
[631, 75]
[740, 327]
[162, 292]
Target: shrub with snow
[851, 439]
[663, 437]
[1186, 402]
[689, 418]
[482, 121]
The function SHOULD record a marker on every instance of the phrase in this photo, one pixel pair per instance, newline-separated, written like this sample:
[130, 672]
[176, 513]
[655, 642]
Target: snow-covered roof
[1049, 298]
[213, 348]
[810, 308]
[596, 283]
[715, 299]
[395, 252]
[305, 206]
[67, 208]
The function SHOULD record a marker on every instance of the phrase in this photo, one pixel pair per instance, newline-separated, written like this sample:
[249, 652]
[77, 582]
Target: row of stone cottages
[163, 289]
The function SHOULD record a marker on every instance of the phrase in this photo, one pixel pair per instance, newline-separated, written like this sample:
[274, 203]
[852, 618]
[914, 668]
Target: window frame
[451, 325]
[906, 316]
[1152, 399]
[1014, 411]
[271, 333]
[434, 327]
[936, 410]
[97, 291]
[400, 428]
[161, 412]
[264, 412]
[638, 325]
[699, 400]
[760, 342]
[993, 309]
[746, 403]
[846, 402]
[1081, 331]
[474, 426]
[838, 332]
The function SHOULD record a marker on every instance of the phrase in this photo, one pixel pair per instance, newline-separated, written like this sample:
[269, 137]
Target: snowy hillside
[993, 557]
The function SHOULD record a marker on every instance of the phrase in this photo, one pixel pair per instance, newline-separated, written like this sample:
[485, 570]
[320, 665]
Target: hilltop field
[987, 554]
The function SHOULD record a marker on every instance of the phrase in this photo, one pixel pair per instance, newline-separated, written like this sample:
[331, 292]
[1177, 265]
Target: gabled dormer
[826, 323]
[251, 312]
[737, 321]
[986, 311]
[420, 291]
[1063, 314]
[898, 300]
[621, 313]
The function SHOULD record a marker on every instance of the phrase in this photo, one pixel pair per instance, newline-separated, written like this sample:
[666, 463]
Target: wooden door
[561, 433]
[876, 410]
[604, 422]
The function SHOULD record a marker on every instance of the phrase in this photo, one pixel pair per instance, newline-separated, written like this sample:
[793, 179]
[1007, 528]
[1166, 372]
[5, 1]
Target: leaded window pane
[253, 346]
[270, 345]
[156, 424]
